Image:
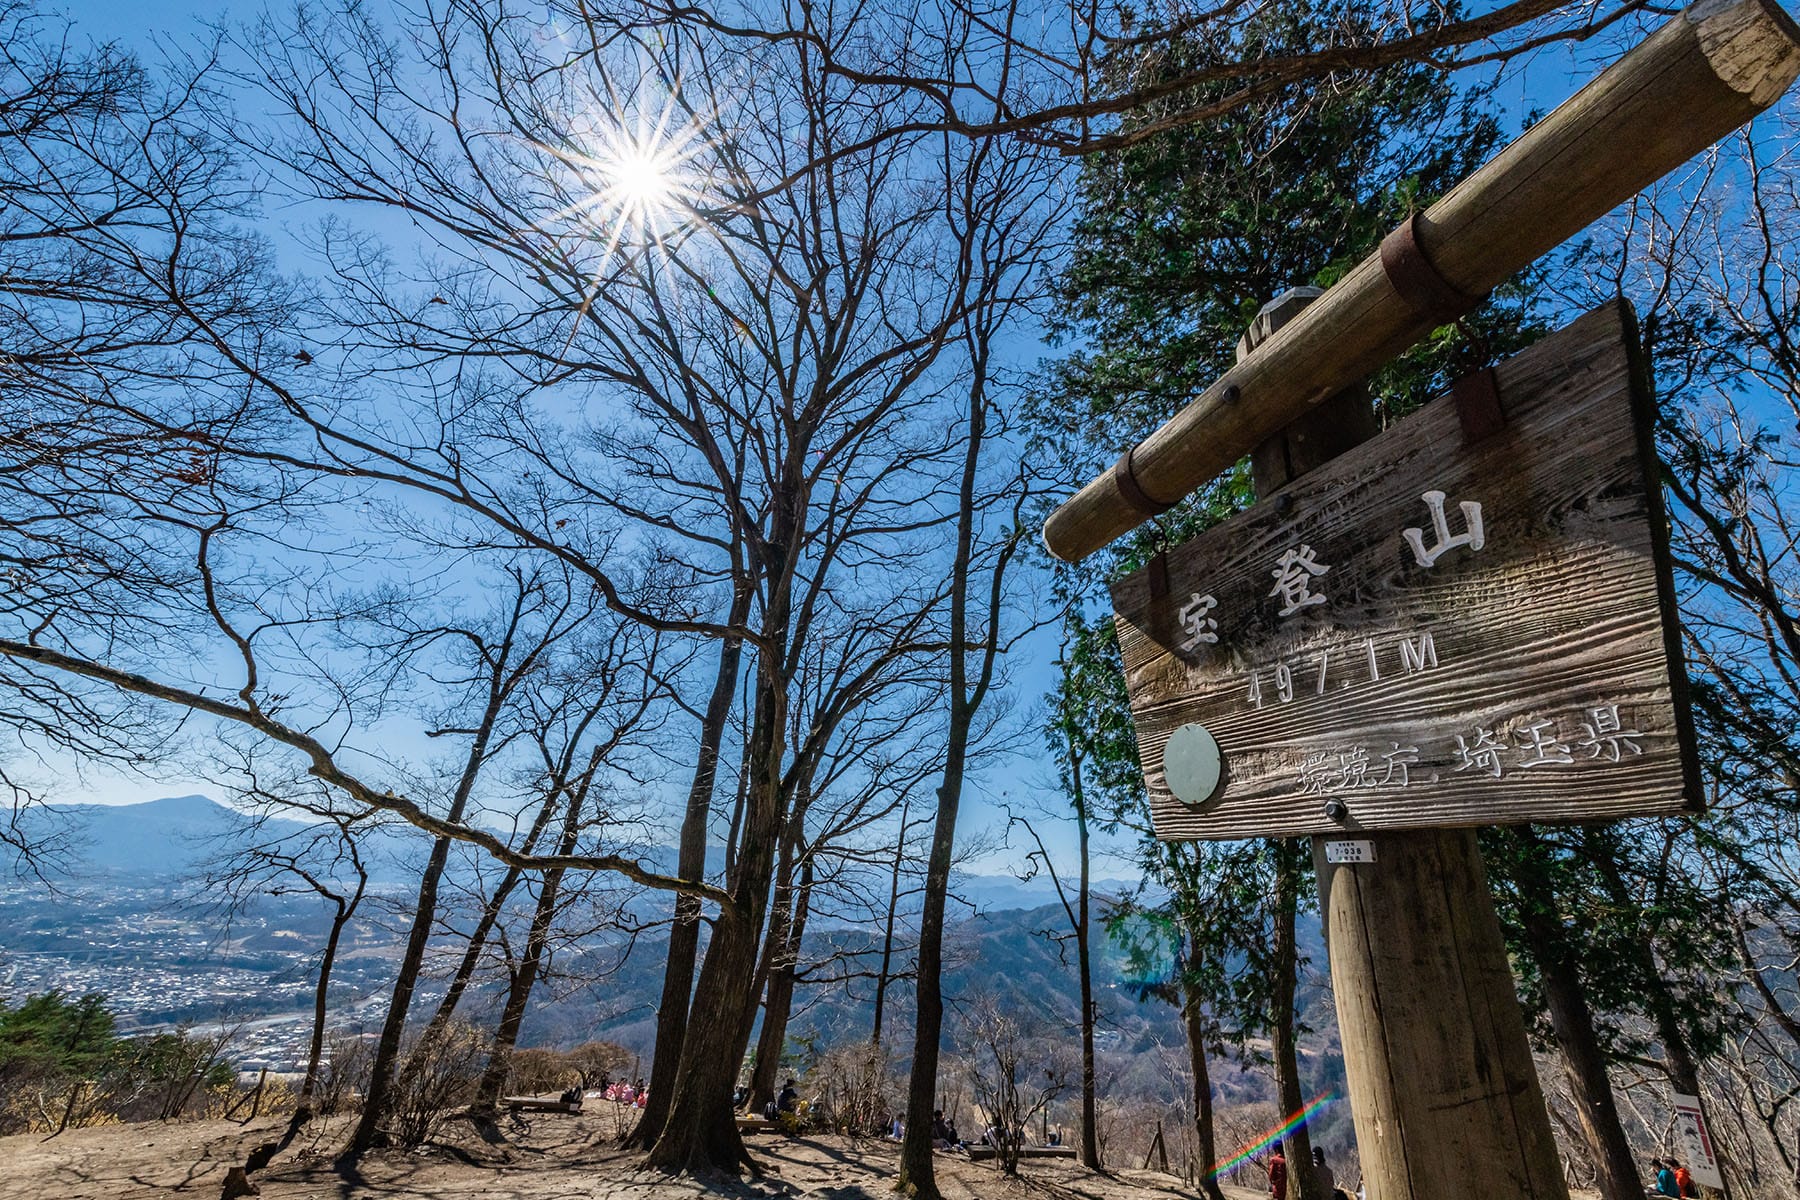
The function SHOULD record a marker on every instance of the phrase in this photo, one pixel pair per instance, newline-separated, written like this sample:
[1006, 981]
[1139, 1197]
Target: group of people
[787, 1102]
[945, 1137]
[1278, 1174]
[624, 1092]
[1672, 1178]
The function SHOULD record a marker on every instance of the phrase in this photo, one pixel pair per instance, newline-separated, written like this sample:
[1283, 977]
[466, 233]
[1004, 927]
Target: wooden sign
[1468, 620]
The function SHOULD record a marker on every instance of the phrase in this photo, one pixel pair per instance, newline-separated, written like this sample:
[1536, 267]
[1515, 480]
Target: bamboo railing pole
[1702, 75]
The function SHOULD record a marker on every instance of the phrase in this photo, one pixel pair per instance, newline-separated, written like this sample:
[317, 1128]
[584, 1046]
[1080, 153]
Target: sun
[643, 178]
[640, 183]
[636, 176]
[639, 176]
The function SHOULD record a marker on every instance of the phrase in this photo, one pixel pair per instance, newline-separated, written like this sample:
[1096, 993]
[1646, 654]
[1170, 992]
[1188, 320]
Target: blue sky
[1537, 82]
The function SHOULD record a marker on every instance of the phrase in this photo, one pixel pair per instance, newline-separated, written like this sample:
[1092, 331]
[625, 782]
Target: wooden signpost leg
[1443, 1090]
[1442, 1087]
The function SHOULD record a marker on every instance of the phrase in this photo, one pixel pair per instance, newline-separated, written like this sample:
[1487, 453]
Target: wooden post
[1705, 73]
[1443, 1090]
[1442, 1086]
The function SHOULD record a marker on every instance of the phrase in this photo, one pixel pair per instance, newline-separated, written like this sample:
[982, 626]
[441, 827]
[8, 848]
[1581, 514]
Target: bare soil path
[557, 1158]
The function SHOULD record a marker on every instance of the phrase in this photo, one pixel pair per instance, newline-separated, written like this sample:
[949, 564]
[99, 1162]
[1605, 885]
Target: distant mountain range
[176, 837]
[137, 866]
[179, 836]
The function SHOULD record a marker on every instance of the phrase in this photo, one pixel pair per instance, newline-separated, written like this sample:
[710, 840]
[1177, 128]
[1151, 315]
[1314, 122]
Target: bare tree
[989, 534]
[1016, 1069]
[1038, 75]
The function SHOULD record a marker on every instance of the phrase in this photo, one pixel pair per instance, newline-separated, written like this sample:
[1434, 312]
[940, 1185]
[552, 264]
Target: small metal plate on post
[1346, 850]
[1192, 765]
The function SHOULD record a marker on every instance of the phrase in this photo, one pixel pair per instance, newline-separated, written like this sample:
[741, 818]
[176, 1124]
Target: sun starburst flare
[640, 176]
[639, 183]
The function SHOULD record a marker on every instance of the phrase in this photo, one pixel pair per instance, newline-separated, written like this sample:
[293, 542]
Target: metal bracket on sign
[1478, 405]
[1133, 493]
[1159, 575]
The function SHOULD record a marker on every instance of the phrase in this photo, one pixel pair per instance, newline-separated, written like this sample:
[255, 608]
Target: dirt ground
[557, 1158]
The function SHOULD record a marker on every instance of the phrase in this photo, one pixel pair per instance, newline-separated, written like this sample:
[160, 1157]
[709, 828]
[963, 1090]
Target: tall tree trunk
[1193, 1017]
[917, 1176]
[1583, 1061]
[781, 909]
[1306, 1186]
[700, 1132]
[387, 1048]
[1090, 1116]
[684, 935]
[779, 1005]
[887, 937]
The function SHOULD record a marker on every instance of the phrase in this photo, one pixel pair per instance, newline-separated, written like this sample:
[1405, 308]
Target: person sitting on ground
[1277, 1171]
[1684, 1182]
[943, 1134]
[789, 1098]
[1665, 1178]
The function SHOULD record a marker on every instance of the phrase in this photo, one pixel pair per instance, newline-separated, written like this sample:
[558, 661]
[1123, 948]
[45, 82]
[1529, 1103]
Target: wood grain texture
[1442, 1085]
[1537, 641]
[1702, 75]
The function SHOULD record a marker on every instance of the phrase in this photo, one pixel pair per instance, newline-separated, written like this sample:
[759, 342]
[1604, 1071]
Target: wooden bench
[755, 1125]
[538, 1104]
[981, 1153]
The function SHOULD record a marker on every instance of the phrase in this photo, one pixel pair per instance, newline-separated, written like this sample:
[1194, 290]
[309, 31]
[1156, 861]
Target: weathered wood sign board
[1432, 629]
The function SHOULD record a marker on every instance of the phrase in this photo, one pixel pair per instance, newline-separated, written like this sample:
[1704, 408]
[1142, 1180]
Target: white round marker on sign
[1193, 766]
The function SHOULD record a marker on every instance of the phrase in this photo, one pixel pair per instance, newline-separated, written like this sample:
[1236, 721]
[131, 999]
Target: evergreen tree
[1179, 239]
[53, 1035]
